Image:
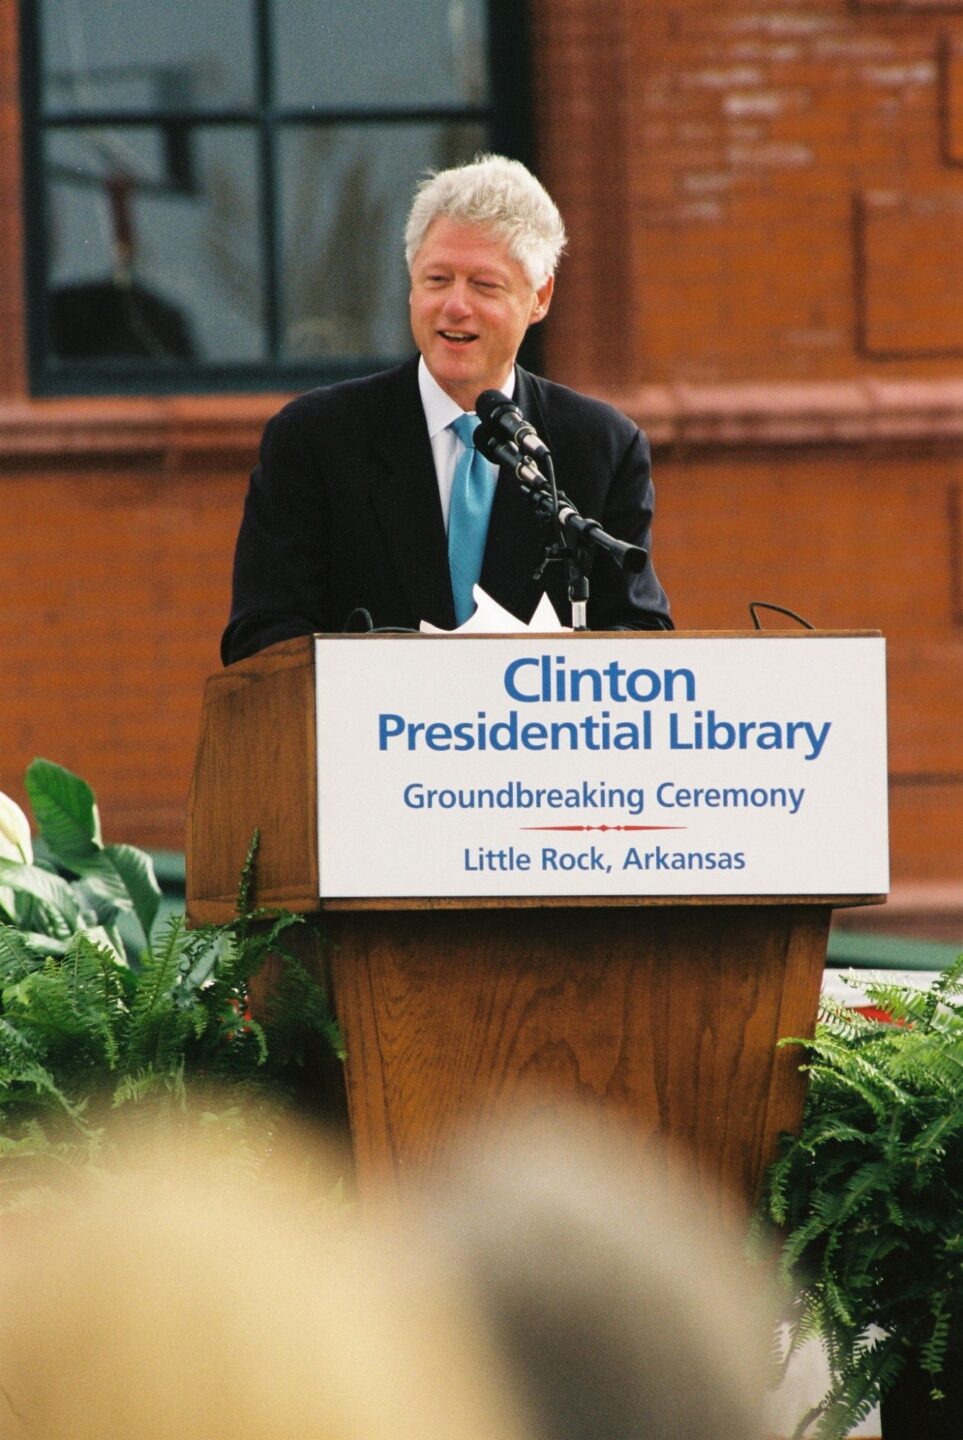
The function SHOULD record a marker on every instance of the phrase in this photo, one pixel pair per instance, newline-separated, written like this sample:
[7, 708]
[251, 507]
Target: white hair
[500, 194]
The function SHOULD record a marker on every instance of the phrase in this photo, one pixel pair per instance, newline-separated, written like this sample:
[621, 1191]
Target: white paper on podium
[490, 618]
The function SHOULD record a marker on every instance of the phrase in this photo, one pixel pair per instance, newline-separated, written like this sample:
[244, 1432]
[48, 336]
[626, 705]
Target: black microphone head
[488, 402]
[485, 438]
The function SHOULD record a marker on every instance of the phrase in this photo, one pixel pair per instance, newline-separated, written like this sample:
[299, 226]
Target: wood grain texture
[661, 1011]
[256, 769]
[666, 1017]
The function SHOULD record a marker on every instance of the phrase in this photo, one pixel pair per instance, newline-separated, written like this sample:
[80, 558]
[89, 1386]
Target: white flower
[14, 832]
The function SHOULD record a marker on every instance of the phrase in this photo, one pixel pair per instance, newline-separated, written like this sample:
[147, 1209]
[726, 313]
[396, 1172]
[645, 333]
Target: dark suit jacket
[343, 512]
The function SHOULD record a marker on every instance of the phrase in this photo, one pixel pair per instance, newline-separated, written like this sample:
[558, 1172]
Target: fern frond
[170, 1042]
[874, 1178]
[870, 1194]
[18, 957]
[297, 1008]
[64, 1005]
[149, 1082]
[245, 888]
[949, 984]
[24, 1074]
[160, 1017]
[158, 976]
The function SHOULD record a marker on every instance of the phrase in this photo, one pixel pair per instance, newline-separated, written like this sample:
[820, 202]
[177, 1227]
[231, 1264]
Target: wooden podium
[665, 1011]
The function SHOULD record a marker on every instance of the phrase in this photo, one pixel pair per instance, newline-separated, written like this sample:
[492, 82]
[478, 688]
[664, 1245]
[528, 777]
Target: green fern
[869, 1196]
[171, 1043]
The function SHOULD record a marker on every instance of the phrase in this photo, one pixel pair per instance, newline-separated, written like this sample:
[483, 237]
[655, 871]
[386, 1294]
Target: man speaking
[370, 495]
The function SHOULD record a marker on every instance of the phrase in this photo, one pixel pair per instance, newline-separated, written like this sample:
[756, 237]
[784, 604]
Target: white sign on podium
[629, 765]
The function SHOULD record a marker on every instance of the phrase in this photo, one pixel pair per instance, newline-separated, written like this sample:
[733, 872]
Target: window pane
[345, 193]
[331, 53]
[146, 55]
[145, 265]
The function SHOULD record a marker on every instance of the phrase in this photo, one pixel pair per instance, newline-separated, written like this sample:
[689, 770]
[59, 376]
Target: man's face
[471, 304]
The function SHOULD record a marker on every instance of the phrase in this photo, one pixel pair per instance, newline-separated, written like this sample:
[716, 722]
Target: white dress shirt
[440, 410]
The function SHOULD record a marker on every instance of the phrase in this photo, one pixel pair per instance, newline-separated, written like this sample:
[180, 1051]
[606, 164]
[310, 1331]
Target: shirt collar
[440, 409]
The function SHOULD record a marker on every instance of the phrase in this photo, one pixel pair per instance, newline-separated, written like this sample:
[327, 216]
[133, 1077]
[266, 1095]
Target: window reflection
[380, 52]
[218, 190]
[135, 55]
[345, 191]
[121, 229]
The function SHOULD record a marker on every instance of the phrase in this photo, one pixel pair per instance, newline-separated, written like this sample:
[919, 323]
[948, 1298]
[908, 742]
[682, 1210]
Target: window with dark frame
[216, 189]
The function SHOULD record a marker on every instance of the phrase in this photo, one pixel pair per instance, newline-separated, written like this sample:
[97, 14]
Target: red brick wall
[757, 191]
[763, 201]
[861, 540]
[766, 270]
[113, 591]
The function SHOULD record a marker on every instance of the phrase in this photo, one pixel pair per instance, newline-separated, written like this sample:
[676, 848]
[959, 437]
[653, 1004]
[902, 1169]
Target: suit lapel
[404, 492]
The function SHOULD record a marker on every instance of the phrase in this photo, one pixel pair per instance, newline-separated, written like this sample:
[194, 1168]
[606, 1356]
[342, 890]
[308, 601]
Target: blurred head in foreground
[552, 1291]
[619, 1309]
[196, 1308]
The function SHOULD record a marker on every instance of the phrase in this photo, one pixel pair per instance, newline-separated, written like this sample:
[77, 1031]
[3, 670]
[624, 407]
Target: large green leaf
[65, 810]
[102, 879]
[136, 870]
[55, 894]
[99, 904]
[43, 946]
[32, 915]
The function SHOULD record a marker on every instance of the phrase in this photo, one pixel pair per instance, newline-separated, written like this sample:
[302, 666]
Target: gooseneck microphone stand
[577, 540]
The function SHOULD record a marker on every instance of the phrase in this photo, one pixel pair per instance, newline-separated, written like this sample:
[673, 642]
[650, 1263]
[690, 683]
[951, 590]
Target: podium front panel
[601, 766]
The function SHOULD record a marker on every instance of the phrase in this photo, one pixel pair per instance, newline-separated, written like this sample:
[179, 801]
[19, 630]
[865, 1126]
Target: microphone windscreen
[488, 401]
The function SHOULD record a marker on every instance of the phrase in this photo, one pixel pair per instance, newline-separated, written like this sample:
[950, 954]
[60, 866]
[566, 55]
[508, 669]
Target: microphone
[628, 557]
[550, 503]
[505, 418]
[507, 453]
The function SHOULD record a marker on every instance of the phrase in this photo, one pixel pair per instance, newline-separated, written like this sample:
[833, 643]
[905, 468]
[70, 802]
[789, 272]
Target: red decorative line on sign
[603, 827]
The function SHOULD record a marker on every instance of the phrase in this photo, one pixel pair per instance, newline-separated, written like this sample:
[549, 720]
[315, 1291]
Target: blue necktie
[472, 492]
